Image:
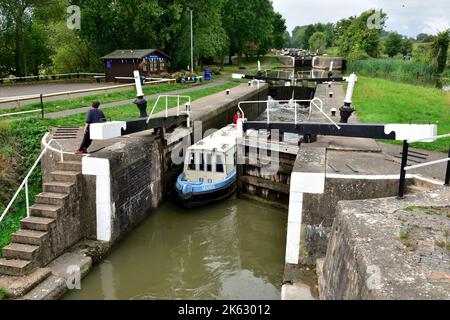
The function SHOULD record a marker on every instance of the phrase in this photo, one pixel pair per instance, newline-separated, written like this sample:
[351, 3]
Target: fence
[68, 93]
[59, 76]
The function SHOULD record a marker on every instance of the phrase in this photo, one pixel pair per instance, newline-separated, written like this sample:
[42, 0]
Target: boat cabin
[212, 159]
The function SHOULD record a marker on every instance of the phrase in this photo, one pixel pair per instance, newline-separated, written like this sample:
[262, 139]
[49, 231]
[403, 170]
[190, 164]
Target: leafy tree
[279, 31]
[318, 42]
[406, 47]
[440, 49]
[357, 36]
[423, 37]
[393, 44]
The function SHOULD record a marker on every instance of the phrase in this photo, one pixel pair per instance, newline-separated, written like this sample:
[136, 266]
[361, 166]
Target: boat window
[219, 164]
[192, 161]
[202, 162]
[208, 162]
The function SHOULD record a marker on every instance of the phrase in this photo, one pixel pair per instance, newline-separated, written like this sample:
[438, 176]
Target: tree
[356, 36]
[279, 31]
[393, 44]
[246, 23]
[406, 47]
[440, 49]
[318, 42]
[423, 37]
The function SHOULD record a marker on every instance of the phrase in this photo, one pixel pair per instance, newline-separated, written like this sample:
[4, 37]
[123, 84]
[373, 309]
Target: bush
[396, 70]
[357, 55]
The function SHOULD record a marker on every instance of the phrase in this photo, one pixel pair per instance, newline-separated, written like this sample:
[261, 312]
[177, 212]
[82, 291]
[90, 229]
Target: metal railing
[316, 102]
[404, 164]
[24, 184]
[75, 75]
[178, 99]
[41, 97]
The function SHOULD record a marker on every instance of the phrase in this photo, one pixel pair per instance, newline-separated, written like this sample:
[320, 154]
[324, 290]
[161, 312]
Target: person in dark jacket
[94, 115]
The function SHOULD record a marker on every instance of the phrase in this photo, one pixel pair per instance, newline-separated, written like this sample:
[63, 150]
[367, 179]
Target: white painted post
[137, 81]
[100, 168]
[351, 85]
[167, 104]
[331, 65]
[27, 198]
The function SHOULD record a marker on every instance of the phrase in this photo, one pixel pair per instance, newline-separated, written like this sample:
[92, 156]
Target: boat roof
[222, 140]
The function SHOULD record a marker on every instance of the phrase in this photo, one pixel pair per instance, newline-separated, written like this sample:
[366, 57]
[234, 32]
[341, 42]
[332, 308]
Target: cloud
[408, 17]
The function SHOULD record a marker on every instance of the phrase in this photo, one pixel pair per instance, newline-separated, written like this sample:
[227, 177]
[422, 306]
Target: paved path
[211, 84]
[45, 88]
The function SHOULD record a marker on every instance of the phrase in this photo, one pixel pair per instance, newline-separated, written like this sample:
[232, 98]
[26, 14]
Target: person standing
[237, 116]
[94, 115]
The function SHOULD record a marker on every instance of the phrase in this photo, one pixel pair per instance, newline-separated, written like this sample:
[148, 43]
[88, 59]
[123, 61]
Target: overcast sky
[408, 17]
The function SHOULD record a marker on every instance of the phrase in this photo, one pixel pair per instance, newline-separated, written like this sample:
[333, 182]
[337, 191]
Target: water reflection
[230, 250]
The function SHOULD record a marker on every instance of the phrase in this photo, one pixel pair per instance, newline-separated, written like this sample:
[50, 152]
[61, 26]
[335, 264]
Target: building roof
[134, 54]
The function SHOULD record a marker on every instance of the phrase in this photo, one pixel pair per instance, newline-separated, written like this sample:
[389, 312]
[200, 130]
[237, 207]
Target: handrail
[290, 101]
[167, 104]
[430, 138]
[24, 184]
[321, 110]
[404, 164]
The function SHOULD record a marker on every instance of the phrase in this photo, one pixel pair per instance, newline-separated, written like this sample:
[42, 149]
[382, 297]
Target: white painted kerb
[301, 182]
[100, 168]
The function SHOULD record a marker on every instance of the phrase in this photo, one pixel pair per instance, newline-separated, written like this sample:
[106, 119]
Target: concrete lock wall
[129, 184]
[325, 62]
[319, 210]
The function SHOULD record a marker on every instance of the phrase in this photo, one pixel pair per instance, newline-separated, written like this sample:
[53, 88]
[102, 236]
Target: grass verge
[383, 101]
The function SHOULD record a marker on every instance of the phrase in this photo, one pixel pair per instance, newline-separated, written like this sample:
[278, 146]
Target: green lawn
[383, 101]
[21, 146]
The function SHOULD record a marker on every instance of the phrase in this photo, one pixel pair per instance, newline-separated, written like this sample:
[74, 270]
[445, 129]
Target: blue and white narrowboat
[209, 169]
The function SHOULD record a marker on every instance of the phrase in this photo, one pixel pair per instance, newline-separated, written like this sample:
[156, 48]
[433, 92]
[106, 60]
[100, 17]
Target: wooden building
[122, 63]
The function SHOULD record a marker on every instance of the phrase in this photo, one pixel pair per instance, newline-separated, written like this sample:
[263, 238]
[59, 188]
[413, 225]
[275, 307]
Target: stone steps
[15, 267]
[36, 223]
[51, 198]
[65, 176]
[24, 254]
[69, 166]
[58, 187]
[416, 189]
[31, 237]
[45, 211]
[20, 251]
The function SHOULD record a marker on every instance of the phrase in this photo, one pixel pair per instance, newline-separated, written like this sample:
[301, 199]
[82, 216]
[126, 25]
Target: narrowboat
[209, 169]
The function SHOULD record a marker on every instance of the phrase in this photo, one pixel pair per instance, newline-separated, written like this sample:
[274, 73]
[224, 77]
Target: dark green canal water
[231, 250]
